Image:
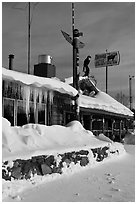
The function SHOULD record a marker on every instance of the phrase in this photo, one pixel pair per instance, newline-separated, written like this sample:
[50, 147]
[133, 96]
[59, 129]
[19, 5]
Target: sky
[105, 25]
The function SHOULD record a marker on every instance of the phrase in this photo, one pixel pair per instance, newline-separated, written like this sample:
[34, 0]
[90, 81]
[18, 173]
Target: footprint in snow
[111, 182]
[16, 197]
[76, 194]
[116, 189]
[108, 174]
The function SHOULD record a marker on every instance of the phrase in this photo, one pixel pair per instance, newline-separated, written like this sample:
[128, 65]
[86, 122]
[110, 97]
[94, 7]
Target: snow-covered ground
[113, 181]
[109, 180]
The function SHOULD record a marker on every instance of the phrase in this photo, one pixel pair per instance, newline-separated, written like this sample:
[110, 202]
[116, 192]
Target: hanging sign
[107, 59]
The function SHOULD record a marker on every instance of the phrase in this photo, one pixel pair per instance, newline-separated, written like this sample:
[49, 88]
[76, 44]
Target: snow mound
[30, 138]
[77, 127]
[104, 138]
[32, 153]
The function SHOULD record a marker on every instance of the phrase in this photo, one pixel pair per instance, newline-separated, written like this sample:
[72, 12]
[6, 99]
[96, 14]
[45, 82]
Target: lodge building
[33, 99]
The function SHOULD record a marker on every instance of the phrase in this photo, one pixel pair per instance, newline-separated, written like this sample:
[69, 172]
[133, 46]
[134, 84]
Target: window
[21, 113]
[9, 110]
[41, 114]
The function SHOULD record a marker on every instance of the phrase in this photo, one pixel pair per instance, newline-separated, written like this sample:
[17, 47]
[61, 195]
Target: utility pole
[29, 39]
[73, 27]
[106, 76]
[76, 44]
[130, 91]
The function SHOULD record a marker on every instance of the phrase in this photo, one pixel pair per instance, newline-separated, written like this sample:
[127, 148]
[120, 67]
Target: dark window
[41, 114]
[21, 113]
[86, 121]
[69, 117]
[97, 124]
[31, 113]
[9, 110]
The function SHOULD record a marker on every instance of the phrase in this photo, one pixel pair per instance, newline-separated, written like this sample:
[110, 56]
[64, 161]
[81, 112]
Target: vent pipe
[11, 57]
[45, 59]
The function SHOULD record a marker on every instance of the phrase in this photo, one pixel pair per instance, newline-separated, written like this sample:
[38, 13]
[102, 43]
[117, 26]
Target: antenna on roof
[29, 39]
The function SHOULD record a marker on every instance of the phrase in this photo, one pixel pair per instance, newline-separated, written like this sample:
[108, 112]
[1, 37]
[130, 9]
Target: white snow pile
[34, 139]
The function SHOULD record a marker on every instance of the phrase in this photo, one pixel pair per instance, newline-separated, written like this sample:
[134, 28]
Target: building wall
[111, 126]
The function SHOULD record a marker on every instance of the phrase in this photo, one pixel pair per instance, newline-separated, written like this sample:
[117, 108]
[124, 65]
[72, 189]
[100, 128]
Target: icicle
[27, 99]
[40, 96]
[26, 96]
[45, 96]
[51, 95]
[22, 91]
[35, 94]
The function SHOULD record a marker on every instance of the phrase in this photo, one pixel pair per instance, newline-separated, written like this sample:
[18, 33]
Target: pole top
[11, 56]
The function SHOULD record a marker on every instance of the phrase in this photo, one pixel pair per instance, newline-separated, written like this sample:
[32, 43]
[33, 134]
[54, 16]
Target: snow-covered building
[33, 99]
[100, 112]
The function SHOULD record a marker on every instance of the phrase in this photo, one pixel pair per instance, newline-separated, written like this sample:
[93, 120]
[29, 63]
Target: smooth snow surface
[101, 101]
[36, 139]
[50, 83]
[113, 181]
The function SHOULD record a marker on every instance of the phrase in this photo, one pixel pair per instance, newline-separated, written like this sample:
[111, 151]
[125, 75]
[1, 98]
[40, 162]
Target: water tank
[44, 59]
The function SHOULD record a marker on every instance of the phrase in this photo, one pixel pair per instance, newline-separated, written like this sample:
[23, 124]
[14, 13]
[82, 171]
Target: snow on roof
[50, 83]
[101, 101]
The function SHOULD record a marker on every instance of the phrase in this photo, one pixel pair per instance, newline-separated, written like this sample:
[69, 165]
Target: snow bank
[33, 153]
[34, 139]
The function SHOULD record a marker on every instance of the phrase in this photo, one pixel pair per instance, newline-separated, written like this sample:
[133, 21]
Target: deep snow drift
[33, 139]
